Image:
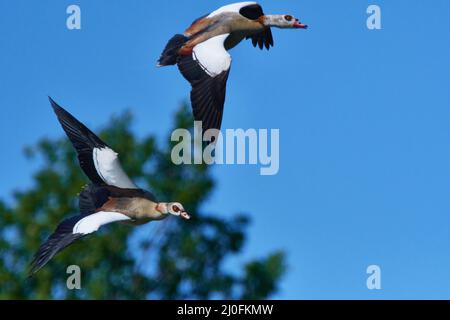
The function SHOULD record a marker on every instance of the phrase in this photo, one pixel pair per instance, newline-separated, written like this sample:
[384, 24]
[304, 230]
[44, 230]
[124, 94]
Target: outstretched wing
[264, 38]
[239, 7]
[207, 69]
[69, 231]
[98, 161]
[252, 11]
[249, 9]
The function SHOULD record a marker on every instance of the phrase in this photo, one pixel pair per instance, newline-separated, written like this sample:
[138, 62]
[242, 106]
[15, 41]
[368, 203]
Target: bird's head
[284, 21]
[174, 208]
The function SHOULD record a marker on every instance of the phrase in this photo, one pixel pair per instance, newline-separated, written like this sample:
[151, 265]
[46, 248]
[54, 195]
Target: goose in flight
[110, 197]
[201, 53]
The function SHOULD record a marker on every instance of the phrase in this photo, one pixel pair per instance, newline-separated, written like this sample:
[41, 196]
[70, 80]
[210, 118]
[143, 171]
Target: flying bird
[201, 53]
[110, 197]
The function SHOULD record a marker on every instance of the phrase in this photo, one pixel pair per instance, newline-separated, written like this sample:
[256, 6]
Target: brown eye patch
[288, 17]
[175, 208]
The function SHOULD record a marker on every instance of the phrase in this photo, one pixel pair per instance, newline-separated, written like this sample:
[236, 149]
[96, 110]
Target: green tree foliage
[172, 259]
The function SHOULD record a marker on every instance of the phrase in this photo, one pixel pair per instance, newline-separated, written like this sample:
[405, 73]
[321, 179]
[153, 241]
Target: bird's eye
[175, 209]
[288, 18]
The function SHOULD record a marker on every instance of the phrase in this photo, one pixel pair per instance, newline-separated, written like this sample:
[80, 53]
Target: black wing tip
[169, 55]
[40, 259]
[207, 100]
[53, 103]
[33, 269]
[71, 124]
[58, 240]
[59, 111]
[263, 40]
[82, 139]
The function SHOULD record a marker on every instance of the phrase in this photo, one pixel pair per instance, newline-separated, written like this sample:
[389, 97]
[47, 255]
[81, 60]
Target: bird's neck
[162, 208]
[273, 20]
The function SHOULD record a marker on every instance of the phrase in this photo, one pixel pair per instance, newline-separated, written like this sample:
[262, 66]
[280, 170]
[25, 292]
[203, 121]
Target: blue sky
[364, 119]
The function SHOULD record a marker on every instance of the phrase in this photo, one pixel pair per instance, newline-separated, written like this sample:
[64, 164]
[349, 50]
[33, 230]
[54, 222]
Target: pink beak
[299, 25]
[185, 215]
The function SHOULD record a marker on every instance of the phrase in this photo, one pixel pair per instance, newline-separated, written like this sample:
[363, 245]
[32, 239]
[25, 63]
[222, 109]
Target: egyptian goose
[110, 197]
[202, 57]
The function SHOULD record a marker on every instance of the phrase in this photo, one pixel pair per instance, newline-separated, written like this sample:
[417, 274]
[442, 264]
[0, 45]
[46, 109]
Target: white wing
[93, 222]
[234, 7]
[207, 70]
[69, 231]
[99, 162]
[108, 167]
[212, 56]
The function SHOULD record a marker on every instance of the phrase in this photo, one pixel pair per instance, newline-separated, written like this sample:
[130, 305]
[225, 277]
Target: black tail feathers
[170, 54]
